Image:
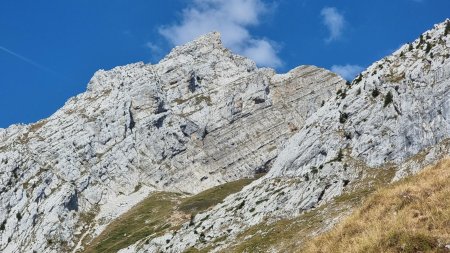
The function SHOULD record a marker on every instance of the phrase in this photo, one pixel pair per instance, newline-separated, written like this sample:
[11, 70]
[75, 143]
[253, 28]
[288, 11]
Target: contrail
[29, 61]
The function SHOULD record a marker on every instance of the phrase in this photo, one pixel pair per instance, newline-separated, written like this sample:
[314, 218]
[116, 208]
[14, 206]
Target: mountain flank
[205, 152]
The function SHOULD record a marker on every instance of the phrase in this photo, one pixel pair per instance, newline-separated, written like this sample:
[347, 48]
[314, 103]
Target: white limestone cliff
[396, 114]
[201, 117]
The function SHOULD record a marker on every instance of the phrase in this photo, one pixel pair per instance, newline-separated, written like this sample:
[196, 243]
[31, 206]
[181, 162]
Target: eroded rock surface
[396, 114]
[201, 117]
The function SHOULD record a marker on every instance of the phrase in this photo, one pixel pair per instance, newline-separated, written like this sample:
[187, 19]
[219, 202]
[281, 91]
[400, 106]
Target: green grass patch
[211, 197]
[150, 217]
[158, 214]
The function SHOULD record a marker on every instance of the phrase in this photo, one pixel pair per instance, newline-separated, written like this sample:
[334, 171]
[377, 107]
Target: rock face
[201, 117]
[395, 114]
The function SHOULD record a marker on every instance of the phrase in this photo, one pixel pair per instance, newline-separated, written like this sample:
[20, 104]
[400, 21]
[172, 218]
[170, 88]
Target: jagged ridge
[201, 117]
[393, 111]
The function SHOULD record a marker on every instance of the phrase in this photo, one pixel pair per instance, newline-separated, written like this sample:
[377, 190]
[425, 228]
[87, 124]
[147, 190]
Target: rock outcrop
[396, 114]
[201, 117]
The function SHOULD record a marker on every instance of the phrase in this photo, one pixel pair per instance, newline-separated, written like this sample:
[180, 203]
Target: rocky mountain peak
[201, 117]
[395, 110]
[204, 116]
[203, 45]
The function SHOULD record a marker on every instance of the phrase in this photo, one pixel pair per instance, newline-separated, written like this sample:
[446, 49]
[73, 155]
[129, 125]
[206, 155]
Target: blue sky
[50, 49]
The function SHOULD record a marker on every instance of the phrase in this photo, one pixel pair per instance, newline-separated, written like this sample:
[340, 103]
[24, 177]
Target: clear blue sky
[50, 49]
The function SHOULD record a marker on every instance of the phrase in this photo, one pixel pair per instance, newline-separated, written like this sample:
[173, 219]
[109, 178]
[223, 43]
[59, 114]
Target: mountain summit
[200, 117]
[390, 121]
[204, 117]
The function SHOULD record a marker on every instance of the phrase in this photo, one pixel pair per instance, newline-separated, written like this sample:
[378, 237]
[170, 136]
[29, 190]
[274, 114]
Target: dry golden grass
[288, 235]
[412, 215]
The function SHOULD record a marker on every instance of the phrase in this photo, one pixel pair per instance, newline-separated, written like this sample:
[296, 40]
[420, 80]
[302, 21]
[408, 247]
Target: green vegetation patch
[211, 197]
[388, 99]
[157, 214]
[148, 218]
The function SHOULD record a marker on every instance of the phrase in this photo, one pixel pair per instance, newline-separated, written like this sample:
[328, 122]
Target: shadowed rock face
[395, 114]
[201, 117]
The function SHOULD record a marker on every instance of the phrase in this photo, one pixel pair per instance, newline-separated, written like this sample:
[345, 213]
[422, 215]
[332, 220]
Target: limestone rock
[395, 114]
[200, 117]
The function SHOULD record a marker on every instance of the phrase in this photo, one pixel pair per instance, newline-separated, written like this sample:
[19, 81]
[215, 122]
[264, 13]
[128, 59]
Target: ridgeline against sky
[48, 51]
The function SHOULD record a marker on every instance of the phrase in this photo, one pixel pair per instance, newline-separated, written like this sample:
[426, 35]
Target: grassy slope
[157, 214]
[288, 235]
[412, 215]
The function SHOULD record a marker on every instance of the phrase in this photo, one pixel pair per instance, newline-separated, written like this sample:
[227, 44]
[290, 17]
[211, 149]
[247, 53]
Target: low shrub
[388, 99]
